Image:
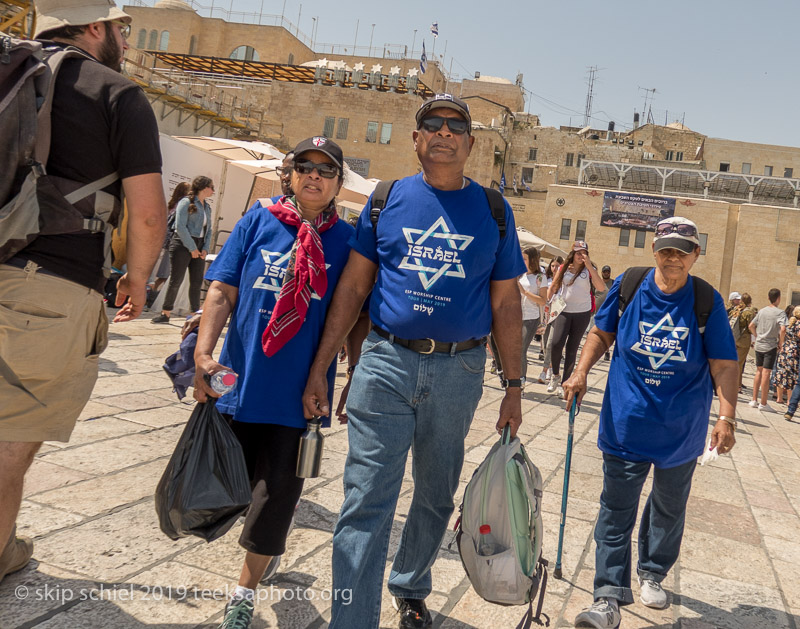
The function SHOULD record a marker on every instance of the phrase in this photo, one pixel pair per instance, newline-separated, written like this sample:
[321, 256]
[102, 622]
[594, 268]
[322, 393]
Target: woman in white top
[531, 285]
[573, 282]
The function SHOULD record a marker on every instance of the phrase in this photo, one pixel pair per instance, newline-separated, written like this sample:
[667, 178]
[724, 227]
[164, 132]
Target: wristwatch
[514, 382]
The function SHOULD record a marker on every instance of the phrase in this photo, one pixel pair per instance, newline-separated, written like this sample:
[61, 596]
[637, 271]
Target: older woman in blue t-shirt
[655, 413]
[275, 277]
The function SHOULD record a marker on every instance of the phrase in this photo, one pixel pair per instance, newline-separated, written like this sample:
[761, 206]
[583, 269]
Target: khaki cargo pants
[52, 332]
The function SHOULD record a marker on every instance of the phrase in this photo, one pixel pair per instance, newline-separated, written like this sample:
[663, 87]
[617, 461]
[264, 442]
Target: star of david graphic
[658, 358]
[274, 260]
[435, 236]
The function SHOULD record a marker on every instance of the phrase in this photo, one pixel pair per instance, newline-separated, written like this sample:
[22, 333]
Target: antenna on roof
[587, 114]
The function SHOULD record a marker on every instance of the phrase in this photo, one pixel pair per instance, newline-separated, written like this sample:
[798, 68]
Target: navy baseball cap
[323, 145]
[444, 100]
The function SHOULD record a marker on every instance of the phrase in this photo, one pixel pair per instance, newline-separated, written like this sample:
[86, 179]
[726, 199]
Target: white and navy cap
[682, 237]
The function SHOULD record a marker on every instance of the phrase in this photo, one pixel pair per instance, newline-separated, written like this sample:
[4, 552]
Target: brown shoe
[16, 554]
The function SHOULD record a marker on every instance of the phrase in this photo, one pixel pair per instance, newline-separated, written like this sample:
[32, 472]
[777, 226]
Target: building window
[164, 43]
[341, 130]
[679, 156]
[638, 243]
[798, 264]
[527, 175]
[193, 45]
[703, 242]
[669, 156]
[151, 43]
[566, 227]
[768, 171]
[796, 295]
[581, 157]
[142, 39]
[624, 237]
[245, 53]
[746, 168]
[724, 167]
[570, 159]
[327, 130]
[532, 154]
[291, 59]
[372, 132]
[386, 133]
[580, 230]
[787, 172]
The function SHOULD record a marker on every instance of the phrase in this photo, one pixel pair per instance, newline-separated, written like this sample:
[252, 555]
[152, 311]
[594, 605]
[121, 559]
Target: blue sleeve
[509, 263]
[228, 266]
[181, 224]
[209, 231]
[364, 240]
[607, 317]
[718, 338]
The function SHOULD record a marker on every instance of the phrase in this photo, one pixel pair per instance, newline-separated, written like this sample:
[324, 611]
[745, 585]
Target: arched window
[164, 40]
[141, 40]
[151, 44]
[192, 45]
[245, 53]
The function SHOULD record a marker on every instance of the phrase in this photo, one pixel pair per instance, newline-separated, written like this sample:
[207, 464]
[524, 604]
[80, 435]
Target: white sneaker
[543, 377]
[765, 408]
[553, 384]
[753, 404]
[603, 614]
[560, 392]
[652, 594]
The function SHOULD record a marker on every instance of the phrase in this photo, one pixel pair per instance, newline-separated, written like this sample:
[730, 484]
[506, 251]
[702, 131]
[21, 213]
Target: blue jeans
[399, 401]
[794, 400]
[660, 531]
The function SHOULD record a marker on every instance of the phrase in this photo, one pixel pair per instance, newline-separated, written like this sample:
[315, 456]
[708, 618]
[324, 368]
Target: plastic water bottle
[223, 382]
[487, 546]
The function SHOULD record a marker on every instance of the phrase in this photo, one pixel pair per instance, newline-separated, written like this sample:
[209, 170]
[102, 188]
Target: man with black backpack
[442, 266]
[103, 142]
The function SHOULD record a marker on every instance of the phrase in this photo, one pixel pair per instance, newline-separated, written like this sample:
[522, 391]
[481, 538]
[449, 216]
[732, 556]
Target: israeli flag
[423, 60]
[515, 184]
[502, 183]
[435, 29]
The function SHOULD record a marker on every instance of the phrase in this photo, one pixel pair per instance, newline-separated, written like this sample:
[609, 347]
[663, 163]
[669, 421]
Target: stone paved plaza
[100, 559]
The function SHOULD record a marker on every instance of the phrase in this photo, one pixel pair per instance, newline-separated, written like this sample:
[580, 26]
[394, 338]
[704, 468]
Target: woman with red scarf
[275, 277]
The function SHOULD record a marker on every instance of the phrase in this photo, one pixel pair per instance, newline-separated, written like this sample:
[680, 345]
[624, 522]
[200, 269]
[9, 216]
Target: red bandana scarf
[305, 272]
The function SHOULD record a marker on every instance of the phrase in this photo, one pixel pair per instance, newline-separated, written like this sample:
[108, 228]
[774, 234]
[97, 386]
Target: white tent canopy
[527, 239]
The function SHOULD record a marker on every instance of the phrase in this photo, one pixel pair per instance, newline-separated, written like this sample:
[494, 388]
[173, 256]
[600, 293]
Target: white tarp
[527, 239]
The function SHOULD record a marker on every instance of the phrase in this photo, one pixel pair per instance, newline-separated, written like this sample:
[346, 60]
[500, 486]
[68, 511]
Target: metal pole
[372, 32]
[574, 410]
[414, 41]
[297, 27]
[355, 39]
[313, 30]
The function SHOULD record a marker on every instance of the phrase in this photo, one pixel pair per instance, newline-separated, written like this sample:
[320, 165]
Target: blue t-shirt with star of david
[254, 259]
[659, 389]
[437, 252]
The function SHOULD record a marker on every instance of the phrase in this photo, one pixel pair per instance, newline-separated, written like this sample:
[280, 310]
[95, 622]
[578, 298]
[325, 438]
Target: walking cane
[574, 410]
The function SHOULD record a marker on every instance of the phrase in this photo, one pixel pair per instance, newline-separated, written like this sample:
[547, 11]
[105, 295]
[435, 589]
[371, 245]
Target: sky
[727, 69]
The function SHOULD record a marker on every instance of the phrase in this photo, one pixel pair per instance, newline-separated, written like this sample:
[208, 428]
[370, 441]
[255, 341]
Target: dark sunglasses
[668, 228]
[432, 124]
[328, 171]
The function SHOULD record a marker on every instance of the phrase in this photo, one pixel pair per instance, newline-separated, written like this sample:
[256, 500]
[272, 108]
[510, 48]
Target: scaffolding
[17, 18]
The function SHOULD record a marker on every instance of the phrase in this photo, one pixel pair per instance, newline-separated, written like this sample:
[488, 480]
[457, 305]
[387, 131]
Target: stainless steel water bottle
[309, 456]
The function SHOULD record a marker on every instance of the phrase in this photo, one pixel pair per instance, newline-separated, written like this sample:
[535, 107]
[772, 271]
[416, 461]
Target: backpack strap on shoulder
[631, 280]
[703, 302]
[498, 205]
[379, 198]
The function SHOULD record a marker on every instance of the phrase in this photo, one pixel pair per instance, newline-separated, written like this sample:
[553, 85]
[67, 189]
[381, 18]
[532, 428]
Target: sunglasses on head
[328, 171]
[683, 229]
[432, 124]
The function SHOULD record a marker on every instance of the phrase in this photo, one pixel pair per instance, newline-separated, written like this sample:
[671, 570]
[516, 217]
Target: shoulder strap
[379, 198]
[498, 205]
[703, 302]
[631, 280]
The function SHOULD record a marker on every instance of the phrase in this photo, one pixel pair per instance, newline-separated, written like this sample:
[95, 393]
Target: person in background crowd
[769, 328]
[600, 297]
[654, 414]
[273, 335]
[531, 285]
[189, 246]
[102, 124]
[746, 312]
[788, 359]
[573, 283]
[547, 339]
[734, 299]
[162, 269]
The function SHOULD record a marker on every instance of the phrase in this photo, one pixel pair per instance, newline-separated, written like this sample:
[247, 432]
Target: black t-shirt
[101, 123]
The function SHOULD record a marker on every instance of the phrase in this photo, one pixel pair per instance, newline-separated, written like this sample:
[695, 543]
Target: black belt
[428, 346]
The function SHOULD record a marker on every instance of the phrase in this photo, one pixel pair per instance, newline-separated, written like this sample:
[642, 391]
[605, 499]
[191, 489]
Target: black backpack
[384, 188]
[703, 293]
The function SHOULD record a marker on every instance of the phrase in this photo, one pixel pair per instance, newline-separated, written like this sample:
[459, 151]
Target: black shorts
[270, 451]
[766, 359]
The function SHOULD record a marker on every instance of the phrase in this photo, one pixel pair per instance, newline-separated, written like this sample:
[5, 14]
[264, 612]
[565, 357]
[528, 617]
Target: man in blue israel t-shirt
[441, 278]
[655, 413]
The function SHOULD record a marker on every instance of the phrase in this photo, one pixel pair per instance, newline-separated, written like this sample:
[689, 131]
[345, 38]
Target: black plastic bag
[205, 486]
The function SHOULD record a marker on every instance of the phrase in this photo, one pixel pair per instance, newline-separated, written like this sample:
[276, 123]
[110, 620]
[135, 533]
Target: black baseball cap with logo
[444, 100]
[323, 145]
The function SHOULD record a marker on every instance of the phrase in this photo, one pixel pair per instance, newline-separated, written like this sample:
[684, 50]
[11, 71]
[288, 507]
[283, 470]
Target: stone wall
[717, 151]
